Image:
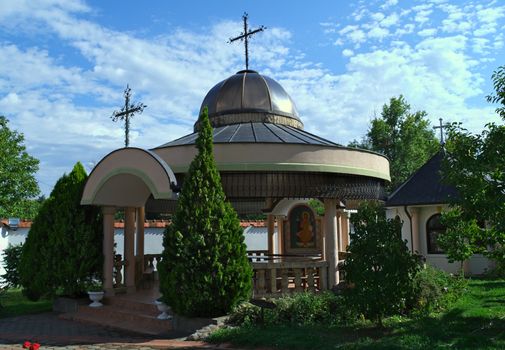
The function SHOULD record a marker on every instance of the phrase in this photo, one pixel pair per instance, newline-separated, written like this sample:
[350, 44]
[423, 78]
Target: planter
[163, 308]
[95, 297]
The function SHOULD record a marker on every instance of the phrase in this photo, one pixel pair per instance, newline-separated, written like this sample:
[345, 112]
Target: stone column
[129, 254]
[108, 249]
[140, 237]
[331, 243]
[345, 231]
[280, 234]
[339, 228]
[271, 231]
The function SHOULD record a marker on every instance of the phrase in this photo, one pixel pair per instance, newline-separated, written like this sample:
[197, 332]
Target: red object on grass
[35, 346]
[26, 345]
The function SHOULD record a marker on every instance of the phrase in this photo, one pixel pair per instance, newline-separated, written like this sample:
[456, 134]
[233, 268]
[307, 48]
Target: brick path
[54, 333]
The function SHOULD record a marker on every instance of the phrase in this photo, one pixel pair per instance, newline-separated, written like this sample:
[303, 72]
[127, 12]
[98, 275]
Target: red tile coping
[147, 223]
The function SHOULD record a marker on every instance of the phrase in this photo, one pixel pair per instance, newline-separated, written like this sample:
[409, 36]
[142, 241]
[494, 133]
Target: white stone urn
[164, 309]
[95, 297]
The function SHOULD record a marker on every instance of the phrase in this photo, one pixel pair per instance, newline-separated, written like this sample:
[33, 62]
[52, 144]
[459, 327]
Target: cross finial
[244, 36]
[128, 110]
[441, 127]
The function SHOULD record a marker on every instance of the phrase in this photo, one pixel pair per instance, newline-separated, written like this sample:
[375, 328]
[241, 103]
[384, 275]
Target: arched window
[434, 228]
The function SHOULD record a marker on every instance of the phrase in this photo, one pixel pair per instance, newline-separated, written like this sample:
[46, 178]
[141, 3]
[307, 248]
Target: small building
[268, 165]
[419, 202]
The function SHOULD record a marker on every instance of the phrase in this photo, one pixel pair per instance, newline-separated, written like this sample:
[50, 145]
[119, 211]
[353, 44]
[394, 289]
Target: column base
[109, 292]
[131, 289]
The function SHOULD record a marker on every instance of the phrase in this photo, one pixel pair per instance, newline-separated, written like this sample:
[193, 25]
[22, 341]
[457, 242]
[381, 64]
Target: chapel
[268, 164]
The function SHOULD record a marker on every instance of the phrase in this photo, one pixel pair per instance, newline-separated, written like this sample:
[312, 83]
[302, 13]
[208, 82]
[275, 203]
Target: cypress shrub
[204, 271]
[63, 250]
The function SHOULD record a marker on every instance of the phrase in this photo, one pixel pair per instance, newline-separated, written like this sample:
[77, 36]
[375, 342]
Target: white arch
[126, 177]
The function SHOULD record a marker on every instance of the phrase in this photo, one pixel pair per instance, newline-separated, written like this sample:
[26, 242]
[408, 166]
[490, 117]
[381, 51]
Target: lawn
[13, 303]
[475, 321]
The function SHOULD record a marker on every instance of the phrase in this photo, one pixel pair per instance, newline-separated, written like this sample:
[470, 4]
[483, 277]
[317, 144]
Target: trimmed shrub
[63, 250]
[304, 309]
[204, 271]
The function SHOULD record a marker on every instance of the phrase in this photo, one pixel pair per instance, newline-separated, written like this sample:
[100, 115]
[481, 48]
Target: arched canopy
[127, 177]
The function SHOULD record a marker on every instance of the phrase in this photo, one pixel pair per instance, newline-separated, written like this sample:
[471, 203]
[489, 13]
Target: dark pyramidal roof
[256, 133]
[424, 186]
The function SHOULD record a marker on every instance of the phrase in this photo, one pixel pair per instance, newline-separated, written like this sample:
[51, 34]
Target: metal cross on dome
[441, 127]
[128, 110]
[244, 36]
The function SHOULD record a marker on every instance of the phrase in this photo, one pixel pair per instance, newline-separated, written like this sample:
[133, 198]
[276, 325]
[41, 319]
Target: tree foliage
[11, 256]
[379, 268]
[17, 169]
[461, 237]
[204, 271]
[475, 165]
[63, 250]
[406, 138]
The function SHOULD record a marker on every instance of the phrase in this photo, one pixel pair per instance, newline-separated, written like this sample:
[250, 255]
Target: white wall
[477, 265]
[10, 237]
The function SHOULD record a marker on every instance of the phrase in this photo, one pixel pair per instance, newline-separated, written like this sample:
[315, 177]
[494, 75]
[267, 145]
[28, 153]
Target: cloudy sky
[65, 63]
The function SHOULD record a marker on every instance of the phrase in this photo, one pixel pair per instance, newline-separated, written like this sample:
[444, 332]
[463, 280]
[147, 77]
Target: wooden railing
[273, 279]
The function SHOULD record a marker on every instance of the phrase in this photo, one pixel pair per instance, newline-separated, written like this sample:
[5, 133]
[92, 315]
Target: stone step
[120, 317]
[118, 302]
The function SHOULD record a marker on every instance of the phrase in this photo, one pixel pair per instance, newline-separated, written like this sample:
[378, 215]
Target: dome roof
[249, 97]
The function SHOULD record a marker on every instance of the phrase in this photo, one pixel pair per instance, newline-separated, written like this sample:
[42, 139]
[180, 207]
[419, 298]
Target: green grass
[475, 321]
[13, 303]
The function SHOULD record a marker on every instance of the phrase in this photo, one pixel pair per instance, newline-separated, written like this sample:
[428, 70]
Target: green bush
[11, 257]
[204, 271]
[380, 269]
[304, 309]
[63, 250]
[435, 290]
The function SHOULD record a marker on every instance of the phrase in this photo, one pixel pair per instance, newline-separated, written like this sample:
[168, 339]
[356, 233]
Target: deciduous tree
[17, 170]
[475, 165]
[406, 138]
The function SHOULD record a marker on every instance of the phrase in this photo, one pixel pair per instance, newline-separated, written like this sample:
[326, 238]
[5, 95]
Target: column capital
[108, 210]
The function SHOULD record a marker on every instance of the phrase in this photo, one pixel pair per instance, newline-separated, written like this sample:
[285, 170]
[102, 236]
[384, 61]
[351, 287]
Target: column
[271, 231]
[280, 234]
[108, 249]
[345, 231]
[331, 243]
[129, 254]
[339, 229]
[140, 237]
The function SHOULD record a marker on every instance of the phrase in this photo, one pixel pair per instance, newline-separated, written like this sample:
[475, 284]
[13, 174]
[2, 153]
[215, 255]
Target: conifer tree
[63, 250]
[204, 270]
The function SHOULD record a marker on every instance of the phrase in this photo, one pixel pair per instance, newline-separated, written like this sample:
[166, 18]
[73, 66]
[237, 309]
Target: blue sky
[65, 64]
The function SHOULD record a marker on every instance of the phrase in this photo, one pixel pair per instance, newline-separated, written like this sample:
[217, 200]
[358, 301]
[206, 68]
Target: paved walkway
[54, 333]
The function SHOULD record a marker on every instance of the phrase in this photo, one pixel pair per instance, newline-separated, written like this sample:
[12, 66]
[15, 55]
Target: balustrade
[276, 278]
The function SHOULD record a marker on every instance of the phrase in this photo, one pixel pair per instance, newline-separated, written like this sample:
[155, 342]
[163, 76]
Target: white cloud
[389, 3]
[378, 33]
[347, 52]
[427, 32]
[390, 20]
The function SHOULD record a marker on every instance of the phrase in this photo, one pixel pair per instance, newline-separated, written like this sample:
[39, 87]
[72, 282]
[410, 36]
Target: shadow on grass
[452, 330]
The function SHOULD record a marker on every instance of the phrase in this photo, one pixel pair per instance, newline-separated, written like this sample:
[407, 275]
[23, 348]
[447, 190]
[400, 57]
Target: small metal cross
[441, 127]
[244, 36]
[128, 111]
